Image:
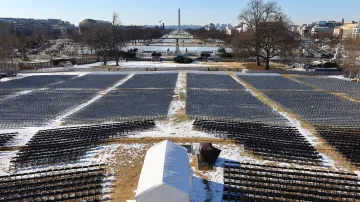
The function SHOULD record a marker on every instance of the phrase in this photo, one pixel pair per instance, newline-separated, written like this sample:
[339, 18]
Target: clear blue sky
[193, 11]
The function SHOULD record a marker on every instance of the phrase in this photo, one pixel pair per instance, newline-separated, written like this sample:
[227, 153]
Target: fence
[23, 66]
[5, 67]
[87, 60]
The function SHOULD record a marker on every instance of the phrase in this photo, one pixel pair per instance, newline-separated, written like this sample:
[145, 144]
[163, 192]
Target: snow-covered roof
[165, 174]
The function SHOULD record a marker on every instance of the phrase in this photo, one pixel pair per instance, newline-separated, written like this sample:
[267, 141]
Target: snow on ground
[97, 155]
[212, 190]
[147, 64]
[50, 73]
[19, 76]
[106, 154]
[341, 77]
[5, 157]
[96, 64]
[24, 92]
[24, 135]
[298, 69]
[177, 104]
[357, 172]
[170, 129]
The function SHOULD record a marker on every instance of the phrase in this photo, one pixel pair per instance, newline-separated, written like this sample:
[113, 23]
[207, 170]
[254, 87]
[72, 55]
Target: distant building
[356, 31]
[229, 30]
[325, 27]
[295, 28]
[90, 23]
[30, 26]
[346, 30]
[306, 29]
[240, 28]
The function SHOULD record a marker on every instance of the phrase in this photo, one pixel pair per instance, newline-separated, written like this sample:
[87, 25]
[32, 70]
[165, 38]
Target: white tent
[165, 175]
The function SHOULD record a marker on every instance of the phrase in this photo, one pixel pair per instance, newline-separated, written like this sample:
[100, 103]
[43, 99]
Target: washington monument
[178, 29]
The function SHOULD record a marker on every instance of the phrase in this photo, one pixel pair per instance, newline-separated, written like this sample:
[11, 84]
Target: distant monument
[177, 50]
[178, 29]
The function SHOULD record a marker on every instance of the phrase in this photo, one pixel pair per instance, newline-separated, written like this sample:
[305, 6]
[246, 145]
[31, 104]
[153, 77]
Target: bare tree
[277, 40]
[241, 45]
[351, 63]
[254, 16]
[8, 43]
[117, 36]
[102, 40]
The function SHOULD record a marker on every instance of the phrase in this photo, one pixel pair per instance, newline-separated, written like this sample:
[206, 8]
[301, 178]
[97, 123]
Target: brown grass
[182, 96]
[343, 95]
[253, 66]
[127, 175]
[180, 116]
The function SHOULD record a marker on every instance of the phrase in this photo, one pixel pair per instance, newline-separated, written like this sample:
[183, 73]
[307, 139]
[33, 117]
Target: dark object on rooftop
[208, 153]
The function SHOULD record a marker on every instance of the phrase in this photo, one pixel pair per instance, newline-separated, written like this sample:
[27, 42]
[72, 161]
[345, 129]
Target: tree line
[16, 44]
[108, 40]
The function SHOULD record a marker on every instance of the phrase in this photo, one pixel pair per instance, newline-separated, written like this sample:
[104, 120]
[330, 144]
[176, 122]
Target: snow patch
[341, 77]
[357, 172]
[5, 158]
[170, 129]
[177, 104]
[13, 78]
[216, 177]
[147, 64]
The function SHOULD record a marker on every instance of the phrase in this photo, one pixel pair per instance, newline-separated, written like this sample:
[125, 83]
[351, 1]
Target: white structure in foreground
[166, 175]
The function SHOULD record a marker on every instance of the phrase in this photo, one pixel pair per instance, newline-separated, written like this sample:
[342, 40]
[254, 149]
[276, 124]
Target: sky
[196, 12]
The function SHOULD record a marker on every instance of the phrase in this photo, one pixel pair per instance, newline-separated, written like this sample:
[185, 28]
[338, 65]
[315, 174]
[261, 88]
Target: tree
[211, 35]
[117, 37]
[102, 40]
[242, 45]
[8, 43]
[277, 40]
[267, 31]
[351, 63]
[254, 16]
